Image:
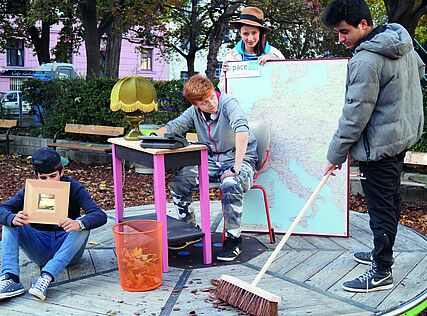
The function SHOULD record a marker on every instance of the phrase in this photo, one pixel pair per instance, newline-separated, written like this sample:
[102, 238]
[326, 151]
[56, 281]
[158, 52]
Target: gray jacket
[219, 132]
[383, 110]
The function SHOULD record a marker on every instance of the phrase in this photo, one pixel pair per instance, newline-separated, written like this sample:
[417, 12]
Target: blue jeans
[53, 251]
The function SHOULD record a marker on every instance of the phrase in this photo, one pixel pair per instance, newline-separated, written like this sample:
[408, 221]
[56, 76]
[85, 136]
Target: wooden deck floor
[308, 275]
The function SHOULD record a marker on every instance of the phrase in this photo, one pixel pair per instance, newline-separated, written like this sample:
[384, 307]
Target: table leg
[160, 205]
[118, 184]
[205, 212]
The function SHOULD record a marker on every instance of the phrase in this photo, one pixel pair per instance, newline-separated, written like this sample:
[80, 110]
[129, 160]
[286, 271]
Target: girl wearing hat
[253, 44]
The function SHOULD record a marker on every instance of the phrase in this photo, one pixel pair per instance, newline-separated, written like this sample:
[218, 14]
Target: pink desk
[161, 160]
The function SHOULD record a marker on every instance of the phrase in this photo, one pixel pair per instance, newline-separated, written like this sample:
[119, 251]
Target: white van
[9, 103]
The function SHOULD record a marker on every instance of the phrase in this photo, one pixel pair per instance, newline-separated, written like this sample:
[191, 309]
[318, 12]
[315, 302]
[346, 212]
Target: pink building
[18, 62]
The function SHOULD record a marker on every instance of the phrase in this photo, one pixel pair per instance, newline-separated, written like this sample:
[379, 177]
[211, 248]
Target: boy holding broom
[382, 117]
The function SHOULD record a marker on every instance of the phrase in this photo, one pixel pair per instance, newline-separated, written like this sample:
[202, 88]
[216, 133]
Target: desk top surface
[120, 141]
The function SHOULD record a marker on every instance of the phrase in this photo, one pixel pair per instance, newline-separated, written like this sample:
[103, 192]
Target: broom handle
[290, 230]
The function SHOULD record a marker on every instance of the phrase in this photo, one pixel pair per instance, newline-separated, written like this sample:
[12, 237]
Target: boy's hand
[20, 219]
[69, 225]
[331, 167]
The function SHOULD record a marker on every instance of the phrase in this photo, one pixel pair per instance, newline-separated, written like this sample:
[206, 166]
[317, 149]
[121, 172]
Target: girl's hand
[224, 66]
[263, 59]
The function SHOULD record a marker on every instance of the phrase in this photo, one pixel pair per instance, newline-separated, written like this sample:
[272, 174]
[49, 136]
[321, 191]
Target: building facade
[18, 62]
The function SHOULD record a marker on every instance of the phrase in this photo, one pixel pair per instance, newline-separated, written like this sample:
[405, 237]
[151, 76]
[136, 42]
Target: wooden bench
[99, 130]
[416, 158]
[9, 124]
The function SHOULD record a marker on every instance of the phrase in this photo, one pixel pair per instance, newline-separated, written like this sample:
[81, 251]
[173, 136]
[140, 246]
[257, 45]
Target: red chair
[261, 131]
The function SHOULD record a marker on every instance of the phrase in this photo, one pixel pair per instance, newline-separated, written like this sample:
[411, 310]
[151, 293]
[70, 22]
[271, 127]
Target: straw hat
[251, 16]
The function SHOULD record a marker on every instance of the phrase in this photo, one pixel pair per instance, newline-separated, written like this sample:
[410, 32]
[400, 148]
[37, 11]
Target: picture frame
[46, 202]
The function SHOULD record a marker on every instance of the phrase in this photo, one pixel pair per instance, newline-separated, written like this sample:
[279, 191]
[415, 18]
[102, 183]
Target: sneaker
[184, 244]
[365, 257]
[39, 288]
[231, 249]
[372, 280]
[9, 288]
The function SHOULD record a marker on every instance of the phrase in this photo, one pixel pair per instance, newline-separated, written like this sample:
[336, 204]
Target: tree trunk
[406, 13]
[194, 33]
[41, 42]
[216, 38]
[114, 46]
[91, 37]
[190, 64]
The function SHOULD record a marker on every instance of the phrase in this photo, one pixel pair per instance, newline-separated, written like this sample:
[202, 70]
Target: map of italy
[301, 102]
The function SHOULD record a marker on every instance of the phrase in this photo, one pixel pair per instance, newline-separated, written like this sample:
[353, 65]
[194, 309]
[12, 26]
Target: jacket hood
[393, 42]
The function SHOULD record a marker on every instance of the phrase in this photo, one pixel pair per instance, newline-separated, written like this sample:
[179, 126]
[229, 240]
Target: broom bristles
[247, 297]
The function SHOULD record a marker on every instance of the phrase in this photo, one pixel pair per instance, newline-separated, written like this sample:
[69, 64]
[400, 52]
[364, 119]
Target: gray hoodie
[220, 131]
[383, 109]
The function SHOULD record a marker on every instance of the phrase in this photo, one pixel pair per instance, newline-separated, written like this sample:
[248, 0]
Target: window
[147, 59]
[184, 75]
[217, 71]
[15, 84]
[15, 53]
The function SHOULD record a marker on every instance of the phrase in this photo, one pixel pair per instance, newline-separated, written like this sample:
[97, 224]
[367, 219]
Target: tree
[220, 17]
[30, 21]
[406, 12]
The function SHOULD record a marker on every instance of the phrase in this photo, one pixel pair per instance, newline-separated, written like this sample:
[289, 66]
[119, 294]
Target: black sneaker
[231, 249]
[365, 257]
[371, 280]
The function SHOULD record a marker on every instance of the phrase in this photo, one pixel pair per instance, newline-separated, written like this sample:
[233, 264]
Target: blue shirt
[241, 49]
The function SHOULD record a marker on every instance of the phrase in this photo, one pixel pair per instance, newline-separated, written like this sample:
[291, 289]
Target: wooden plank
[405, 263]
[296, 300]
[104, 291]
[8, 123]
[312, 265]
[4, 139]
[83, 267]
[411, 285]
[82, 146]
[298, 242]
[29, 271]
[103, 259]
[415, 158]
[288, 261]
[323, 243]
[94, 129]
[333, 272]
[29, 305]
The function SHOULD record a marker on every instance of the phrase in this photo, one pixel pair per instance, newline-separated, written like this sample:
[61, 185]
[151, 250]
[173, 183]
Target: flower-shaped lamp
[135, 96]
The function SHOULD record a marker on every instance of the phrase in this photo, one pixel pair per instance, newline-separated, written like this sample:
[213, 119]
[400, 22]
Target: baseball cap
[47, 160]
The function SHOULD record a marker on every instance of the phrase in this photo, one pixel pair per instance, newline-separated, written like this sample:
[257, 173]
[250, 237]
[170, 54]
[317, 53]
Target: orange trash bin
[139, 254]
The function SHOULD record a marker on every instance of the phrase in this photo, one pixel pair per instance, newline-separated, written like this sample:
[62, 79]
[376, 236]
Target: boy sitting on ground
[52, 247]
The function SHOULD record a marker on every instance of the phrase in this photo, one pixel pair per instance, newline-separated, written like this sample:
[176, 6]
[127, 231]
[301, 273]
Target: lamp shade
[133, 93]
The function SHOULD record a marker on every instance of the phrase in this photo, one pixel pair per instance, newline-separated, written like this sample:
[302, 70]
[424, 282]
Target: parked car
[10, 100]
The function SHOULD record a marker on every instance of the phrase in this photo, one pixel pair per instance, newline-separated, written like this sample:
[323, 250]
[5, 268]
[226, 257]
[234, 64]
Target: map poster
[301, 101]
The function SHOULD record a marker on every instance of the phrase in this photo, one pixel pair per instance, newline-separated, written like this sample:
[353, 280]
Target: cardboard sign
[243, 69]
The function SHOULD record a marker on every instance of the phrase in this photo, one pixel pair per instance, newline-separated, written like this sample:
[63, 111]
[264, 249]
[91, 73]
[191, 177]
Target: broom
[250, 298]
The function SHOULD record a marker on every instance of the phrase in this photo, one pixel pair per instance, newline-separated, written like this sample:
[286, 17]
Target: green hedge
[88, 102]
[421, 145]
[82, 101]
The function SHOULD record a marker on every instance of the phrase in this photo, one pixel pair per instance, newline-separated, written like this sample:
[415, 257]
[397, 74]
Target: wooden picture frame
[46, 202]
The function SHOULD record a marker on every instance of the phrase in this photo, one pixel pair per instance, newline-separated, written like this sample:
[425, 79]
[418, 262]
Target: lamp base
[132, 135]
